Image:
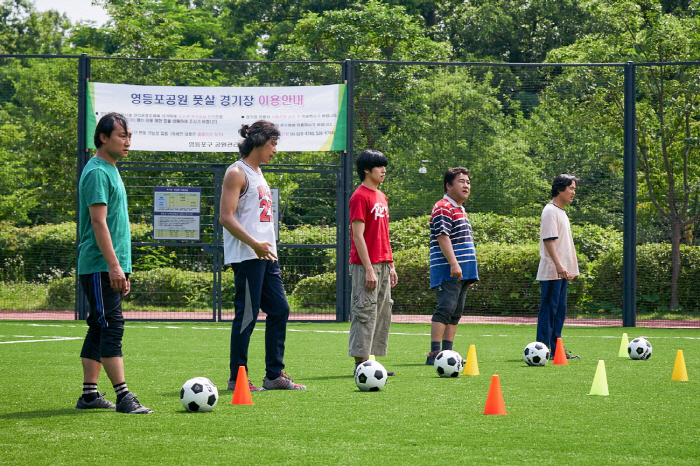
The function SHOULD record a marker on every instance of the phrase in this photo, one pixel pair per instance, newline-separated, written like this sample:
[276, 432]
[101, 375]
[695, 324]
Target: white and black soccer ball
[639, 348]
[536, 354]
[199, 395]
[448, 363]
[370, 376]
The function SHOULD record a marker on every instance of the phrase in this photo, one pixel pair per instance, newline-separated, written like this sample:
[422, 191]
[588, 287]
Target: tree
[515, 31]
[372, 31]
[454, 119]
[23, 30]
[668, 99]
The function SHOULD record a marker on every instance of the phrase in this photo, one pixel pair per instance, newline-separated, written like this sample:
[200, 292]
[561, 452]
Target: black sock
[121, 390]
[90, 392]
[446, 345]
[434, 346]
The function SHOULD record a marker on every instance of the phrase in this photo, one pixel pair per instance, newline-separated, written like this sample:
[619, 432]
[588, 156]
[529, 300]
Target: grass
[417, 419]
[24, 296]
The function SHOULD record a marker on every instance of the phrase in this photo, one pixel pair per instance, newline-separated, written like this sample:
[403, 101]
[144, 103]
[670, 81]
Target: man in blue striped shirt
[452, 259]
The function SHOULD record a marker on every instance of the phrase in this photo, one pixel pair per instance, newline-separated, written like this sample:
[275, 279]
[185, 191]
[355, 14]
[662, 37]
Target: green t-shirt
[100, 183]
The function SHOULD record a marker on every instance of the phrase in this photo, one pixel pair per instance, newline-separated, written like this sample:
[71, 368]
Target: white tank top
[254, 213]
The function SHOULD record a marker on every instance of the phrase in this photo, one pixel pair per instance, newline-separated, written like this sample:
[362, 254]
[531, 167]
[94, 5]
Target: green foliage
[166, 287]
[668, 97]
[23, 30]
[61, 294]
[38, 139]
[653, 276]
[472, 131]
[300, 263]
[315, 291]
[514, 31]
[507, 282]
[590, 240]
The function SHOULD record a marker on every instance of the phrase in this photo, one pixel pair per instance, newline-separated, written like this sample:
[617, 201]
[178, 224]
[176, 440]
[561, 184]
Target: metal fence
[515, 126]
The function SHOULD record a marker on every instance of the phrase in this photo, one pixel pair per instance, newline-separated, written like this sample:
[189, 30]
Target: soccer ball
[536, 354]
[448, 363]
[370, 376]
[199, 395]
[639, 348]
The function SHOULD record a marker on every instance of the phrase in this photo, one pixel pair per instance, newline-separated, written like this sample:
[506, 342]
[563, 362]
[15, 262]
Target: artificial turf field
[418, 418]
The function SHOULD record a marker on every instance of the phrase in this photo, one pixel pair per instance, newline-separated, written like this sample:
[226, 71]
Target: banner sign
[207, 119]
[176, 213]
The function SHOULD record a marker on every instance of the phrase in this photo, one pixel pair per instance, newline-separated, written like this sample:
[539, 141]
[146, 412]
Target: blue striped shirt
[449, 218]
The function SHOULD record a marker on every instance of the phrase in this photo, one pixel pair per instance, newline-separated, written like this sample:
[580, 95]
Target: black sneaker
[571, 356]
[390, 374]
[430, 361]
[130, 405]
[97, 403]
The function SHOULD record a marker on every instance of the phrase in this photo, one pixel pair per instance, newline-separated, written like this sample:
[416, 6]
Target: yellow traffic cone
[679, 372]
[600, 381]
[471, 367]
[624, 344]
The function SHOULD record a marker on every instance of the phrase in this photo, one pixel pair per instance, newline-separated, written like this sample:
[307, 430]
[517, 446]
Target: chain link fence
[515, 127]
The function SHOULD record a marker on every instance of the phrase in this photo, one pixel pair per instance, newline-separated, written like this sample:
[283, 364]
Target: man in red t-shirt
[371, 262]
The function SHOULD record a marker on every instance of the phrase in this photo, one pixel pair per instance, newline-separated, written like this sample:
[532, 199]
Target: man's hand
[455, 271]
[118, 281]
[263, 250]
[370, 278]
[561, 272]
[393, 277]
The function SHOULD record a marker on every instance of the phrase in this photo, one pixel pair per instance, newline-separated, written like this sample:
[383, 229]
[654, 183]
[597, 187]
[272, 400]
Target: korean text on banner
[207, 119]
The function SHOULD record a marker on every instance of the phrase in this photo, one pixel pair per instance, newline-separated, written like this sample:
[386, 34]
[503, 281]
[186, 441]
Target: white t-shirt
[254, 213]
[554, 224]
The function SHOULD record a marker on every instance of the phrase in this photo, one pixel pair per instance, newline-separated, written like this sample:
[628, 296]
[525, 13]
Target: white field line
[329, 331]
[49, 339]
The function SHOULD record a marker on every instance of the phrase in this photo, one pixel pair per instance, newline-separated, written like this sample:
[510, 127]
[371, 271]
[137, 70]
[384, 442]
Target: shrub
[61, 294]
[507, 282]
[300, 263]
[165, 287]
[653, 279]
[590, 239]
[316, 291]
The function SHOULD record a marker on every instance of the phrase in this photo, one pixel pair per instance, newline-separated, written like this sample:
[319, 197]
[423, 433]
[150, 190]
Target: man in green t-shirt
[104, 265]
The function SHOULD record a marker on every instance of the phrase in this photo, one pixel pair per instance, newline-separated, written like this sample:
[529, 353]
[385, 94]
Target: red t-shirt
[372, 208]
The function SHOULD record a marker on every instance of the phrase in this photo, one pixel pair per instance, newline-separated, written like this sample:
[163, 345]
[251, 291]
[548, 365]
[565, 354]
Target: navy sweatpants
[550, 321]
[259, 286]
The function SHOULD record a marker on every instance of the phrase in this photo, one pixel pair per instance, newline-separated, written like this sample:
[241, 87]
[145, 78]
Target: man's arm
[234, 183]
[449, 253]
[117, 277]
[552, 251]
[358, 236]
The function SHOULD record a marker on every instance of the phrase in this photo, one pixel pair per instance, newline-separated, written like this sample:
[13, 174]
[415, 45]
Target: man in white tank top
[249, 246]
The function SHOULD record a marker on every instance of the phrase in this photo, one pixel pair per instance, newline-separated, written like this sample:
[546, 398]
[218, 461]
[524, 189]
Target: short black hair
[368, 159]
[106, 126]
[561, 182]
[256, 135]
[452, 173]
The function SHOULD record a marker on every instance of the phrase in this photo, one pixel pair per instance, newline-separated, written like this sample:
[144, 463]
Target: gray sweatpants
[370, 312]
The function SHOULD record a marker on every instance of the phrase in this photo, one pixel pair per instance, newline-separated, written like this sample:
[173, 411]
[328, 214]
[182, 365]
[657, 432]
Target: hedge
[44, 253]
[159, 287]
[653, 279]
[590, 239]
[507, 282]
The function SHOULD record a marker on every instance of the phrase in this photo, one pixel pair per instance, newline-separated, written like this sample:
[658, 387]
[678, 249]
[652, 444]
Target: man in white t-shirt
[558, 262]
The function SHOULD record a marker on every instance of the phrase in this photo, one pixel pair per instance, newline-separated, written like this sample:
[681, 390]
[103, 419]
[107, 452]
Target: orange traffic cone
[241, 395]
[494, 401]
[560, 354]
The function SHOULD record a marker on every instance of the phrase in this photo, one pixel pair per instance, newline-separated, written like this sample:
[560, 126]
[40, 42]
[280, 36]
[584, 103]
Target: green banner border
[90, 118]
